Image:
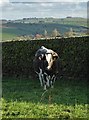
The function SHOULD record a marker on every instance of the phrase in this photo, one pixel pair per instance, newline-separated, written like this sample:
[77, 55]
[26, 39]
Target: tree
[55, 33]
[45, 33]
[70, 33]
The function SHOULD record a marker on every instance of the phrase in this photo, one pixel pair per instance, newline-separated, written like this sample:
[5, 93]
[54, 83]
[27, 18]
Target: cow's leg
[53, 78]
[44, 81]
[47, 78]
[45, 87]
[41, 77]
[52, 81]
[47, 82]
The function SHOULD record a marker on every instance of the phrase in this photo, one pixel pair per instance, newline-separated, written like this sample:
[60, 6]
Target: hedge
[17, 56]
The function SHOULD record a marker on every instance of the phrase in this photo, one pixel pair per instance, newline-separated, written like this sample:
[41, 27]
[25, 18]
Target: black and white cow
[46, 66]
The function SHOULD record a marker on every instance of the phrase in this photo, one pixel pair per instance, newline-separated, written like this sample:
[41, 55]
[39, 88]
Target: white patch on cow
[49, 60]
[42, 47]
[44, 87]
[53, 78]
[47, 81]
[40, 78]
[48, 57]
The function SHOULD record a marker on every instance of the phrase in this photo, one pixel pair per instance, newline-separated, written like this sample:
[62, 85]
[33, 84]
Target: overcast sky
[37, 8]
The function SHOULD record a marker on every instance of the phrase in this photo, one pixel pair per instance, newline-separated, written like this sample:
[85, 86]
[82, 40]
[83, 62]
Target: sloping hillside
[12, 30]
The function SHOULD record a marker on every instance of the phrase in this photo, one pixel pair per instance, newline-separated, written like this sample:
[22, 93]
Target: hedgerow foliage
[17, 56]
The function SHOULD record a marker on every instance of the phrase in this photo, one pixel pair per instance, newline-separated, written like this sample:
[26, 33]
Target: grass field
[12, 30]
[24, 98]
[8, 36]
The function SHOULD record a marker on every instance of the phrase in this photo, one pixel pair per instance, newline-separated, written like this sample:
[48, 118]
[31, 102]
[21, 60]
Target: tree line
[55, 33]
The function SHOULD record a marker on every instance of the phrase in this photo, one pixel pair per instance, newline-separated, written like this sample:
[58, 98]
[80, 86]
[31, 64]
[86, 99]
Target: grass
[22, 98]
[19, 29]
[8, 36]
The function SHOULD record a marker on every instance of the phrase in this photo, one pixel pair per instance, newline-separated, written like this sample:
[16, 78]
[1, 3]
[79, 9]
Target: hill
[33, 26]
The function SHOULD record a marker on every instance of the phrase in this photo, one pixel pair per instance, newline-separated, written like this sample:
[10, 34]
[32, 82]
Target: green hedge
[17, 56]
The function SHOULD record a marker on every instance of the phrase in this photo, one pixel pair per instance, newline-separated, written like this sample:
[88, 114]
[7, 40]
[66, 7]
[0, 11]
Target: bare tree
[55, 33]
[70, 33]
[45, 33]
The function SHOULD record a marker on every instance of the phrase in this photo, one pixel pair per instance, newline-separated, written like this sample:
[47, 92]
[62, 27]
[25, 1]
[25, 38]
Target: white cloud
[49, 1]
[46, 5]
[57, 9]
[2, 2]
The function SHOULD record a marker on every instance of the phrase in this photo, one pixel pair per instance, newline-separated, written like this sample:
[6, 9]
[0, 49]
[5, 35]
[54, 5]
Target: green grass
[20, 29]
[7, 36]
[75, 21]
[22, 98]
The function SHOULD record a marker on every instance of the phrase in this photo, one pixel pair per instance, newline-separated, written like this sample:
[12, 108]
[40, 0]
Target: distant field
[75, 21]
[8, 36]
[18, 29]
[72, 21]
[22, 98]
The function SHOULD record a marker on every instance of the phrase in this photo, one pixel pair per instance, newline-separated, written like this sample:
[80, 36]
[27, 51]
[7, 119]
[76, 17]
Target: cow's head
[47, 55]
[51, 58]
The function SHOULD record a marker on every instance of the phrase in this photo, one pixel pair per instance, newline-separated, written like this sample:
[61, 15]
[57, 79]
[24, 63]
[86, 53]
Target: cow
[46, 66]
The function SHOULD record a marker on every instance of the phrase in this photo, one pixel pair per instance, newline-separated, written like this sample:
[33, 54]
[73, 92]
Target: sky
[12, 9]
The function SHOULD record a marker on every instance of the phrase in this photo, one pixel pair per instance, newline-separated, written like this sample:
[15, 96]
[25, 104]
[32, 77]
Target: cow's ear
[55, 55]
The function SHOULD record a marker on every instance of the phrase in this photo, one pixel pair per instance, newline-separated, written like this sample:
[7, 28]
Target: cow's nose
[49, 68]
[41, 57]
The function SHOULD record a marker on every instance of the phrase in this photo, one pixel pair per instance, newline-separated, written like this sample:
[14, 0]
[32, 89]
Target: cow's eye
[44, 58]
[55, 57]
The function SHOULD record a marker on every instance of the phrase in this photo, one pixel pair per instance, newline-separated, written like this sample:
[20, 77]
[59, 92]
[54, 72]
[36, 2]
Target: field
[12, 30]
[8, 36]
[24, 98]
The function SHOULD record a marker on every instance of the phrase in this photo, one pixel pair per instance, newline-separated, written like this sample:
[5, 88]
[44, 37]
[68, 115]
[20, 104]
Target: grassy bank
[23, 98]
